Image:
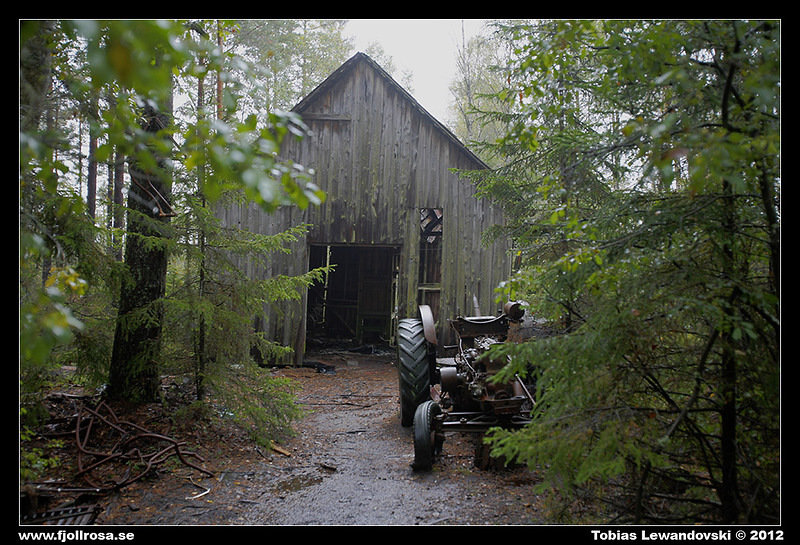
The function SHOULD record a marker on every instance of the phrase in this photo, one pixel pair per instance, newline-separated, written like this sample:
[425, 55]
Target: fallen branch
[112, 445]
[280, 450]
[201, 494]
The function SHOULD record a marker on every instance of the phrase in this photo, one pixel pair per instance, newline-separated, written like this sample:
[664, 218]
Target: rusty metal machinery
[455, 394]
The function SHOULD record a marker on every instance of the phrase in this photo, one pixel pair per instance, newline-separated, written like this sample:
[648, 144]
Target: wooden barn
[401, 227]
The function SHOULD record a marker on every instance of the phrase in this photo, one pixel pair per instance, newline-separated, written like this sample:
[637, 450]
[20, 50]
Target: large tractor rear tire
[413, 368]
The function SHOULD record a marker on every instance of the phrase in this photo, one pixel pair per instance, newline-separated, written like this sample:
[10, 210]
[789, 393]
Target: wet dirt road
[350, 464]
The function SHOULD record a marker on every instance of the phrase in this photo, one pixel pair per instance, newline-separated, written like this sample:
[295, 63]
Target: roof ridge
[363, 57]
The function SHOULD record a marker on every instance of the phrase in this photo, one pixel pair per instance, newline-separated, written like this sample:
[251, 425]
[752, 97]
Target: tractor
[455, 393]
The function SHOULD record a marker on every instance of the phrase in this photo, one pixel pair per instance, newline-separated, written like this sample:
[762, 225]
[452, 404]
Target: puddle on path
[296, 483]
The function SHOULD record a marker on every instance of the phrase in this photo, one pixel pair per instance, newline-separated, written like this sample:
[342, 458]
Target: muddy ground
[348, 465]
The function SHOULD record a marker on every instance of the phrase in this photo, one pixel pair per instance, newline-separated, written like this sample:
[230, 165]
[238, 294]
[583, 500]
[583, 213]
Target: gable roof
[347, 67]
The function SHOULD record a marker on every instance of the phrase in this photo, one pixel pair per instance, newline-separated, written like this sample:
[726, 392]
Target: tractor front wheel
[427, 442]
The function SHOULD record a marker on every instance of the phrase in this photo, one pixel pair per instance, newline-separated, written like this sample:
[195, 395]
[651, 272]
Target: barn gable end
[386, 166]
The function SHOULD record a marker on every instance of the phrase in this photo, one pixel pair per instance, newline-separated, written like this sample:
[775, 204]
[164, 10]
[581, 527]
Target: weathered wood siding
[380, 158]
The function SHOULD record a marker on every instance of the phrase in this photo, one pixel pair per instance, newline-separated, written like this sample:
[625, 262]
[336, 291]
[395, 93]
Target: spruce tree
[643, 188]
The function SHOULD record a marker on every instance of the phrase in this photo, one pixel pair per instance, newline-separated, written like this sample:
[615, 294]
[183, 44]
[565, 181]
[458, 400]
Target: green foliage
[46, 320]
[643, 197]
[124, 52]
[68, 279]
[223, 313]
[291, 57]
[261, 404]
[232, 296]
[246, 155]
[34, 461]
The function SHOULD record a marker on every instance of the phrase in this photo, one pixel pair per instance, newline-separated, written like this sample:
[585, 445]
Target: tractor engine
[465, 380]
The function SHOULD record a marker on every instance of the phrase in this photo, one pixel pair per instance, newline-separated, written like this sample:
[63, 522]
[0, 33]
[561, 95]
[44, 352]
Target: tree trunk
[201, 355]
[134, 371]
[35, 63]
[91, 178]
[119, 200]
[729, 487]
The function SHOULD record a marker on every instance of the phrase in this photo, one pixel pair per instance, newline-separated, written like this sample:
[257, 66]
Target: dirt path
[348, 465]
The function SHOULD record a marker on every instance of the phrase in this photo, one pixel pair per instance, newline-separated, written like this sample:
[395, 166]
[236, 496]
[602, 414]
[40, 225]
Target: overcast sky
[425, 47]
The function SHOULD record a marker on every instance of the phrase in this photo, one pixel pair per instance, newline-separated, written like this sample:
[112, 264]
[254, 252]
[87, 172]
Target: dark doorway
[355, 302]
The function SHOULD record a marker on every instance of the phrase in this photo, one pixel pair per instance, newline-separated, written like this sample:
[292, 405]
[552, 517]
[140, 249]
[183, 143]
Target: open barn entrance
[356, 302]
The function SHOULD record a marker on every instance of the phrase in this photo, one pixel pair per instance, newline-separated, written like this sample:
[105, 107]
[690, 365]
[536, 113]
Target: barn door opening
[355, 301]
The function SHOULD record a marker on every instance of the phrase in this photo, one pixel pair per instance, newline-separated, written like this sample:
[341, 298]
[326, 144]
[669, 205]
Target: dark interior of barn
[357, 302]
